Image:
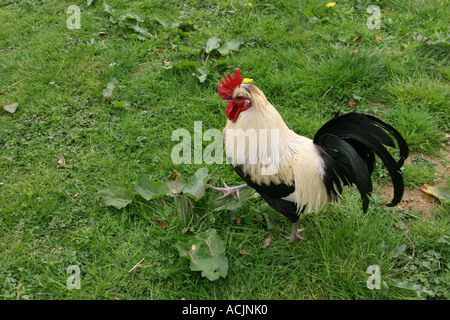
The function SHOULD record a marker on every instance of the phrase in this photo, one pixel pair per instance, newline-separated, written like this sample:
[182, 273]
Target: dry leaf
[244, 253]
[11, 107]
[352, 103]
[61, 161]
[160, 223]
[268, 240]
[357, 39]
[75, 195]
[352, 53]
[239, 221]
[102, 33]
[378, 38]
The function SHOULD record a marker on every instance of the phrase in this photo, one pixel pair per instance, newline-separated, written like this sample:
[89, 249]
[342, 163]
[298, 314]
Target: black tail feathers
[348, 144]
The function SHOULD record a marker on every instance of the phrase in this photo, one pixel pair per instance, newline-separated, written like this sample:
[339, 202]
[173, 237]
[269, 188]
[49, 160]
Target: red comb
[228, 85]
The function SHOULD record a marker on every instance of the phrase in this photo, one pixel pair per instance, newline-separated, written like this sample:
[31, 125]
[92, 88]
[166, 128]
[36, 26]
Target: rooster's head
[236, 93]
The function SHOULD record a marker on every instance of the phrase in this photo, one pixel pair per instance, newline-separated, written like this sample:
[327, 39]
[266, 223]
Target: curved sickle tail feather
[348, 145]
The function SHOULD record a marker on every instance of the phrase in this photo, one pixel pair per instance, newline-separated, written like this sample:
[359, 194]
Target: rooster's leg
[294, 233]
[230, 191]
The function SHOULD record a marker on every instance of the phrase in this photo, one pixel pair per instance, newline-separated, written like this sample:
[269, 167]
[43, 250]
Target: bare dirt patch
[416, 199]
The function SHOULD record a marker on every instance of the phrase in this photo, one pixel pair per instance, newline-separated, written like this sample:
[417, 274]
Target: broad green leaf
[130, 16]
[162, 20]
[115, 197]
[204, 71]
[141, 30]
[212, 43]
[149, 189]
[442, 193]
[400, 250]
[232, 45]
[412, 286]
[107, 8]
[195, 186]
[206, 253]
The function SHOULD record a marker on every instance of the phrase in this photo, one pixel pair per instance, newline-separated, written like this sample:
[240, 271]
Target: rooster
[295, 174]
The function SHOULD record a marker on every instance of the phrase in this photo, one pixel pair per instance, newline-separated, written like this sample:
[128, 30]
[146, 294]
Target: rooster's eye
[239, 98]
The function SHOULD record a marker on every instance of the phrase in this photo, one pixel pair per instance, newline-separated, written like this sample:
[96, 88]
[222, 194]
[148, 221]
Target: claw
[294, 234]
[229, 191]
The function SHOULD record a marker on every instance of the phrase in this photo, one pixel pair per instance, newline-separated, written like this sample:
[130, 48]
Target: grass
[299, 55]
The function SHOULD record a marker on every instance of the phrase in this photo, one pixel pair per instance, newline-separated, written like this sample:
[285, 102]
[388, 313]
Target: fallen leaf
[352, 103]
[61, 161]
[115, 197]
[75, 195]
[244, 253]
[11, 108]
[357, 39]
[268, 240]
[102, 33]
[239, 221]
[441, 193]
[160, 223]
[378, 38]
[352, 53]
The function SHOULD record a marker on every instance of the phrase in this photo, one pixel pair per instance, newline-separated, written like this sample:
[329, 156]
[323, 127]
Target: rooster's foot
[229, 191]
[294, 233]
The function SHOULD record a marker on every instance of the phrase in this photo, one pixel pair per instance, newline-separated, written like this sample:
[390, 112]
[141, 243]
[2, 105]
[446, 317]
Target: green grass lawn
[97, 108]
